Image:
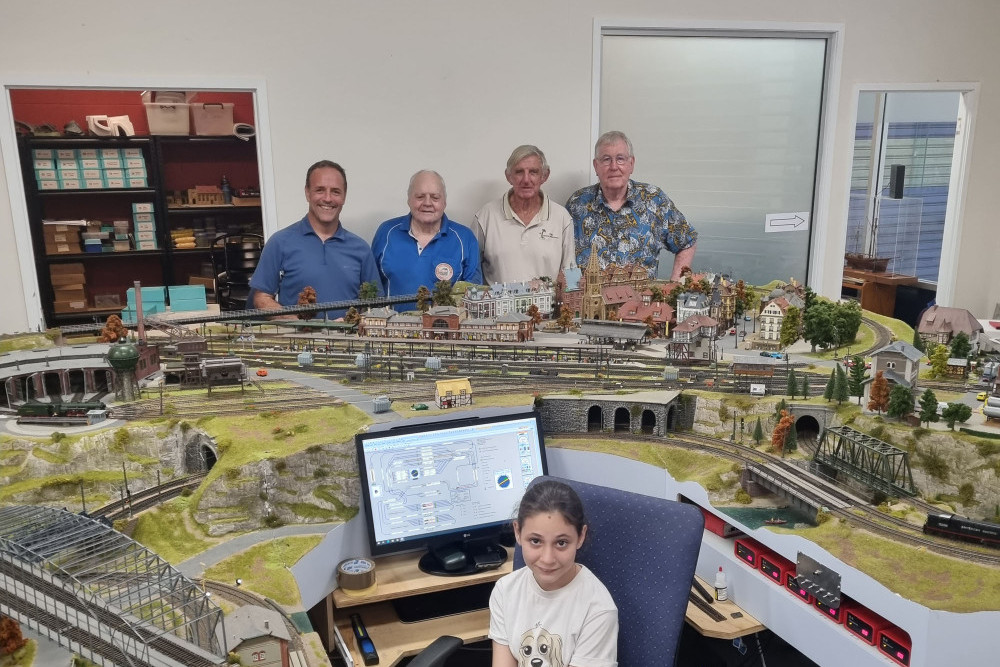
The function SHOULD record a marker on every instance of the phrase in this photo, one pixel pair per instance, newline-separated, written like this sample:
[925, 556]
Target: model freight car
[961, 528]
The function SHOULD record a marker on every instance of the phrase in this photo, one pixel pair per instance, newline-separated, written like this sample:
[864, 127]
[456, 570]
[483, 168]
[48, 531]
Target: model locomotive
[58, 413]
[961, 528]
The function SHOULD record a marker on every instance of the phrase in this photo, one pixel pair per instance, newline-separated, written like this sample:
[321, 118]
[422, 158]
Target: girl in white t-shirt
[554, 612]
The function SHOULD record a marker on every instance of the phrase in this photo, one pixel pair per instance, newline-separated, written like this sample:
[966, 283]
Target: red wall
[58, 107]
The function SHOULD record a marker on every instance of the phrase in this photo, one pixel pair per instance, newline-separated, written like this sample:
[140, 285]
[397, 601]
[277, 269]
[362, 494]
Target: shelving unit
[172, 163]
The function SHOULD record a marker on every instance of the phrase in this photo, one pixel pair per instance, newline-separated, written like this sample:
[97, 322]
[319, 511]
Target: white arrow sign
[786, 222]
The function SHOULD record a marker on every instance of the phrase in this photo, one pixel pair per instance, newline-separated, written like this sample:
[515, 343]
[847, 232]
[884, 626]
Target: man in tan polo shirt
[523, 234]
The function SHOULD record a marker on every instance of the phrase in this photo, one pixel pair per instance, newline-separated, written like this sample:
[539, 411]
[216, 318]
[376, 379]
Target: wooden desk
[877, 290]
[397, 577]
[731, 628]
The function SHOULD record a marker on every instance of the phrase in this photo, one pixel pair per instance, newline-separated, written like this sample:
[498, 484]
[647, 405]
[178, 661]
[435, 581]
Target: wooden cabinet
[130, 221]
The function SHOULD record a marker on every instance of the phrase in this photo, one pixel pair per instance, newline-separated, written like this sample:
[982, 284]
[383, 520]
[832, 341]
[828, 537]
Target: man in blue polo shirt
[424, 246]
[316, 251]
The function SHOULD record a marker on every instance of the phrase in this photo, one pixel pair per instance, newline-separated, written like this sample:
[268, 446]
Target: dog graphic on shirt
[540, 648]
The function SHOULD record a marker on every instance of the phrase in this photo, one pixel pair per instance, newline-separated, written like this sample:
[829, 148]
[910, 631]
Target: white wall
[388, 88]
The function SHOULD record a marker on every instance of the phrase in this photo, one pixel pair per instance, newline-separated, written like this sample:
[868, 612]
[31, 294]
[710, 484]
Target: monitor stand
[462, 558]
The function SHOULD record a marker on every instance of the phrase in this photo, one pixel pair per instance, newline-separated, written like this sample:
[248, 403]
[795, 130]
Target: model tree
[651, 326]
[900, 401]
[565, 319]
[956, 412]
[11, 639]
[918, 342]
[791, 438]
[791, 324]
[856, 381]
[423, 299]
[939, 361]
[928, 407]
[352, 316]
[368, 290]
[758, 432]
[113, 330]
[782, 406]
[840, 386]
[878, 397]
[612, 314]
[817, 324]
[442, 294]
[831, 385]
[805, 386]
[780, 432]
[793, 385]
[960, 346]
[534, 314]
[656, 294]
[847, 319]
[306, 297]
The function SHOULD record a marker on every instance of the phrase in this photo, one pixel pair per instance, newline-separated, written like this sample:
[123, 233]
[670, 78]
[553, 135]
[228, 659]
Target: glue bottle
[721, 587]
[227, 192]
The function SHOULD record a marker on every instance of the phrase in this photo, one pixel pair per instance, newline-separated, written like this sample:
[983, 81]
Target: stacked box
[153, 301]
[144, 224]
[187, 297]
[69, 285]
[62, 238]
[89, 168]
[183, 238]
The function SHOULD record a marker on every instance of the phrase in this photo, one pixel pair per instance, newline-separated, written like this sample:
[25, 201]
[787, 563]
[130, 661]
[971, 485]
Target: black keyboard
[443, 603]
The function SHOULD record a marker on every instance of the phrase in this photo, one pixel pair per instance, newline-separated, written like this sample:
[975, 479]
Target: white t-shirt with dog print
[575, 625]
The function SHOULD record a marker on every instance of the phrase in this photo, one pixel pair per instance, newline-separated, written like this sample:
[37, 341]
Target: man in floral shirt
[626, 221]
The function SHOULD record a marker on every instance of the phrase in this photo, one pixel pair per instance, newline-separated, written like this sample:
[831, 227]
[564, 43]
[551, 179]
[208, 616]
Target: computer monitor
[449, 486]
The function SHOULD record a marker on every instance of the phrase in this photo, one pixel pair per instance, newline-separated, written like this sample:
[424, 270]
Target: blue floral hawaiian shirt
[634, 234]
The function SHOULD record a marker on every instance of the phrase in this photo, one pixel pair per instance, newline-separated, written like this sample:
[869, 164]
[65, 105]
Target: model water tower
[123, 358]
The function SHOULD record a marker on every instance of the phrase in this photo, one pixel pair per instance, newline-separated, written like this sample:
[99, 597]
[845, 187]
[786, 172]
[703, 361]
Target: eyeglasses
[620, 160]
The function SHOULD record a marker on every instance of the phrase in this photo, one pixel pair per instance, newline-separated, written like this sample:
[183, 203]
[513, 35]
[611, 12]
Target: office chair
[234, 259]
[644, 550]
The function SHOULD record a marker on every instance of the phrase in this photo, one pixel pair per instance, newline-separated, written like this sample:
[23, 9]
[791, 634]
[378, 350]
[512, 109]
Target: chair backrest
[644, 550]
[235, 257]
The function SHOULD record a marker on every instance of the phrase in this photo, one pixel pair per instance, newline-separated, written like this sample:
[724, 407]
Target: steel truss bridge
[77, 581]
[872, 462]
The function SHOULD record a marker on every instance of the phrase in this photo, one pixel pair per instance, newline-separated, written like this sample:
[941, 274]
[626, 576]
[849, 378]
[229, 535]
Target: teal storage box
[187, 297]
[151, 297]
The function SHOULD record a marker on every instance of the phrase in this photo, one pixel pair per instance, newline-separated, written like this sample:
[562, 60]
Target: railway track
[147, 498]
[243, 597]
[823, 493]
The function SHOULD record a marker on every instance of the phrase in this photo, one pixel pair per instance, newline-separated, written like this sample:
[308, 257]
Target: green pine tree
[791, 439]
[805, 386]
[928, 407]
[831, 385]
[900, 401]
[856, 381]
[918, 342]
[793, 385]
[782, 405]
[758, 432]
[840, 385]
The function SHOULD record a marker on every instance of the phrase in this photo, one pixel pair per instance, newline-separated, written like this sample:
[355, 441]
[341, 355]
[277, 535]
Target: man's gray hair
[409, 188]
[521, 152]
[611, 137]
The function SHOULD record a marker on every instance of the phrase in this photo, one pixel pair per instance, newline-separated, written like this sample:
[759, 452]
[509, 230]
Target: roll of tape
[356, 576]
[244, 131]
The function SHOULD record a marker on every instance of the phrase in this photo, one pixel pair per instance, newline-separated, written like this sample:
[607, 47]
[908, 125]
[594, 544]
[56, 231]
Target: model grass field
[244, 441]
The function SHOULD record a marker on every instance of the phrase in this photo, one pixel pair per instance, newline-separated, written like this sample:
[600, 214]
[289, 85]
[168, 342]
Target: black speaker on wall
[897, 174]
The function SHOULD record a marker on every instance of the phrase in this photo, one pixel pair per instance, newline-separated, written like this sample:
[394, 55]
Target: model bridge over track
[874, 463]
[102, 595]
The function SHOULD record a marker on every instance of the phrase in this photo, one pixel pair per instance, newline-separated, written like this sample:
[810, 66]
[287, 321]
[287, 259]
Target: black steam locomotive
[961, 528]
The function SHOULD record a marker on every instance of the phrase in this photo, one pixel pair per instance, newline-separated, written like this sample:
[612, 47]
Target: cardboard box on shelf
[60, 280]
[68, 248]
[68, 267]
[70, 294]
[68, 306]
